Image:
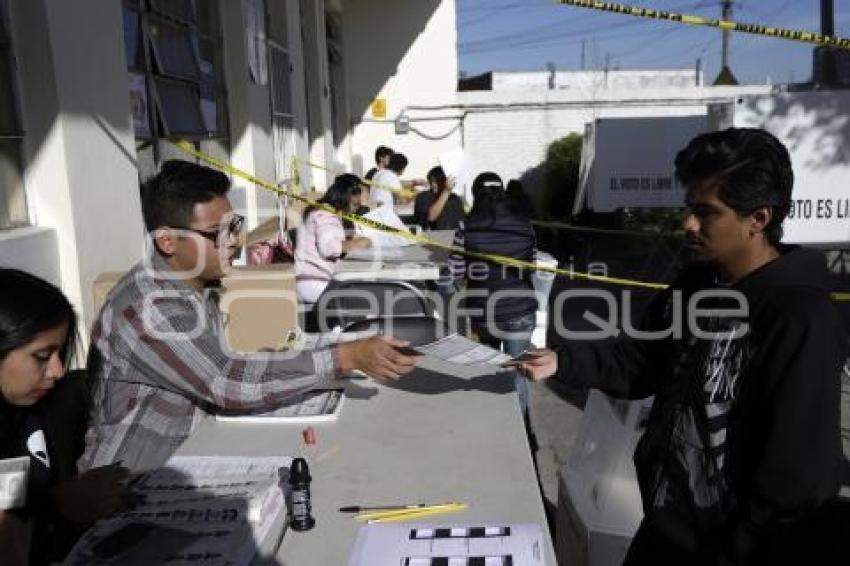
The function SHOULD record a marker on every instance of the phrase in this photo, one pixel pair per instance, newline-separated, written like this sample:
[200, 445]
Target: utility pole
[725, 77]
[827, 76]
[726, 15]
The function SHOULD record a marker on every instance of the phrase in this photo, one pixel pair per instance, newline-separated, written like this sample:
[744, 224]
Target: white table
[416, 262]
[432, 437]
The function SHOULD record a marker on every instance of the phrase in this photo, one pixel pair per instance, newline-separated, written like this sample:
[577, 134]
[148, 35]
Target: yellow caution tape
[757, 29]
[188, 148]
[612, 231]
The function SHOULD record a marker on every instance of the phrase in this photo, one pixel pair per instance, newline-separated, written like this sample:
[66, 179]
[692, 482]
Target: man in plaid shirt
[158, 359]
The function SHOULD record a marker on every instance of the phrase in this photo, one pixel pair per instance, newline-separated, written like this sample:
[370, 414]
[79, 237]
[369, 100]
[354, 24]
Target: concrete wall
[508, 132]
[79, 148]
[405, 53]
[590, 81]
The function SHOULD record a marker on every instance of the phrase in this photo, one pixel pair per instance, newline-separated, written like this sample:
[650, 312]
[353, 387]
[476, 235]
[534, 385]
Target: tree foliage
[563, 159]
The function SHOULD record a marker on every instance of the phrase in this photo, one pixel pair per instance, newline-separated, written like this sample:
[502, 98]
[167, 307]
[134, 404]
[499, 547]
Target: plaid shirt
[159, 363]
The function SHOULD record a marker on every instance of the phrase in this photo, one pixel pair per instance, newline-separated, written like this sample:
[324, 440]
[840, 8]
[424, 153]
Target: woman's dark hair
[437, 175]
[487, 193]
[29, 305]
[169, 197]
[339, 193]
[750, 167]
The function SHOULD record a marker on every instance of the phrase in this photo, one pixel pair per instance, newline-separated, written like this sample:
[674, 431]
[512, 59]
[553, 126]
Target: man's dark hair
[169, 197]
[381, 152]
[398, 162]
[750, 167]
[437, 175]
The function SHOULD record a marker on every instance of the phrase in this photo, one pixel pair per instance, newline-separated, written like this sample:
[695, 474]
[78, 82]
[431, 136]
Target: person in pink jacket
[321, 239]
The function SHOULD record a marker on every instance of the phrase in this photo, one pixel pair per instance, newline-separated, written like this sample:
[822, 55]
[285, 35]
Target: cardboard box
[102, 285]
[259, 304]
[599, 504]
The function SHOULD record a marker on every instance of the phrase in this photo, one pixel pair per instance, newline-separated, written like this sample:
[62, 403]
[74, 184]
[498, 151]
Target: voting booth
[628, 162]
[599, 505]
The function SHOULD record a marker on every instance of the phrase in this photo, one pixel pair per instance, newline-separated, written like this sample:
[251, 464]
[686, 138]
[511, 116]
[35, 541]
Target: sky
[520, 35]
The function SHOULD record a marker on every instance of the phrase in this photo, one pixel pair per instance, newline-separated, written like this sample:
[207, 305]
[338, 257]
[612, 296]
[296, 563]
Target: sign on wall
[815, 127]
[379, 108]
[631, 161]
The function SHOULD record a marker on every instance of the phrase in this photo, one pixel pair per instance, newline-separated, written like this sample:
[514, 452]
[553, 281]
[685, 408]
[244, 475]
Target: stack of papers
[380, 238]
[210, 511]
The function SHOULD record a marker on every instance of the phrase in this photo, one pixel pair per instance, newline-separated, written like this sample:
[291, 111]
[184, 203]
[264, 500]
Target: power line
[546, 32]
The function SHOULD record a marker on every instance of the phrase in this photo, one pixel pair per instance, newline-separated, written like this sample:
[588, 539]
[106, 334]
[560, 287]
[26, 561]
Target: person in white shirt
[388, 180]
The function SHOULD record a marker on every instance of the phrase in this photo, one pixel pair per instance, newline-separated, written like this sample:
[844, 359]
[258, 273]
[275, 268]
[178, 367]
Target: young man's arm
[178, 349]
[621, 367]
[796, 452]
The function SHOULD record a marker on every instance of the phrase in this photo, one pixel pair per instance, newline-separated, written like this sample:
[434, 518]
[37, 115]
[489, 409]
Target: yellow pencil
[378, 513]
[416, 514]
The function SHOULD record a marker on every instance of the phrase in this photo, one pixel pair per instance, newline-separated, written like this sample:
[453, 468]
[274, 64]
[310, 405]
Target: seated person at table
[438, 208]
[507, 320]
[158, 360]
[321, 238]
[42, 416]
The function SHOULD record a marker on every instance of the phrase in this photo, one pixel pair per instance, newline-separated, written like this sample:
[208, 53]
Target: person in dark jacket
[438, 208]
[42, 416]
[519, 199]
[504, 295]
[741, 460]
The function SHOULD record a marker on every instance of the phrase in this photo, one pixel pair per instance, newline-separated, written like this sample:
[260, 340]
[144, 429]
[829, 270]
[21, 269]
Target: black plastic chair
[345, 302]
[418, 330]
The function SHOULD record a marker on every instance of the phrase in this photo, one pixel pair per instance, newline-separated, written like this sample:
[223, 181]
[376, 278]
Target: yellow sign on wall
[379, 108]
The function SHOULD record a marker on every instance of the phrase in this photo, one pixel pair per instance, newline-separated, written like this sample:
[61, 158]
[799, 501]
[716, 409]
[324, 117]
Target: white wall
[79, 148]
[508, 132]
[405, 53]
[31, 249]
[591, 81]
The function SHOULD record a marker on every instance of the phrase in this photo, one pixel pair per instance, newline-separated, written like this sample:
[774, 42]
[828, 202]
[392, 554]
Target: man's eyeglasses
[233, 228]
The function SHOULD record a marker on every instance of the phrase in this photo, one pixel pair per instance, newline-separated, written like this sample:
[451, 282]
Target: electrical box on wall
[402, 124]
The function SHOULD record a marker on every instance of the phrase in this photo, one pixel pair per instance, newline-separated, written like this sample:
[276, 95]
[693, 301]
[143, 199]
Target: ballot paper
[210, 511]
[460, 350]
[494, 544]
[456, 164]
[385, 215]
[13, 482]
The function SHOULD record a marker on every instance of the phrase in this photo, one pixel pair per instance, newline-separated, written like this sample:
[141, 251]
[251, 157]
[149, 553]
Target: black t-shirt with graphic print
[22, 434]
